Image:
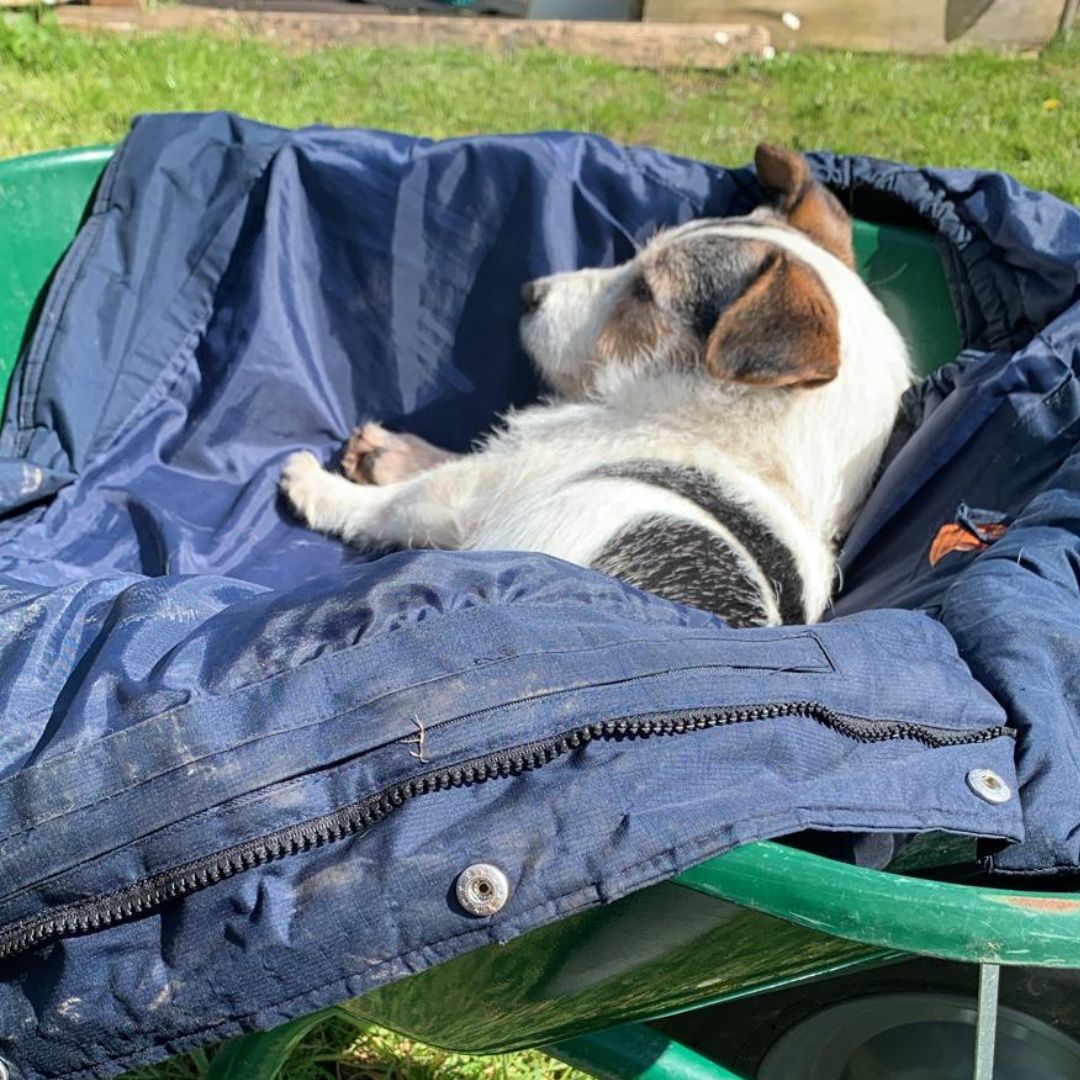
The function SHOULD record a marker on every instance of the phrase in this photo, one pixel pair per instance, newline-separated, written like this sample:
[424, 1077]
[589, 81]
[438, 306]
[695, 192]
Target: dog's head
[740, 300]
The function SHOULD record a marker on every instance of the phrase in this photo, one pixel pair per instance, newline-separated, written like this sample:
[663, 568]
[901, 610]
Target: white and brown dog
[723, 401]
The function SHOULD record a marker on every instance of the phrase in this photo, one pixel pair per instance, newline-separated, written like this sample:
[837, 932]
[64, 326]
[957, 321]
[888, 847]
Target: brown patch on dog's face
[806, 204]
[782, 331]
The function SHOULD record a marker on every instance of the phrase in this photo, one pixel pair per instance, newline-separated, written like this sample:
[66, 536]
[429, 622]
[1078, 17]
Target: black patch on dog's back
[684, 562]
[771, 554]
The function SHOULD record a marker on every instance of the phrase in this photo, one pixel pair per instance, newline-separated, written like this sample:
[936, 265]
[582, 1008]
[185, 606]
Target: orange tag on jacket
[954, 537]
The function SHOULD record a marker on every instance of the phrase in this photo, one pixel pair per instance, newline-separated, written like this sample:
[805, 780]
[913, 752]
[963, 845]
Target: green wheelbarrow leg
[986, 1022]
[637, 1052]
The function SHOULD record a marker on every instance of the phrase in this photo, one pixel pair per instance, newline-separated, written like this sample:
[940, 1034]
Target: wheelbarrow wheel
[881, 1009]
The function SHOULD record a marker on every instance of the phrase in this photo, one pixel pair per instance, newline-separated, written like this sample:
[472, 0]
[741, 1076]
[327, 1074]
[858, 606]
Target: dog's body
[724, 400]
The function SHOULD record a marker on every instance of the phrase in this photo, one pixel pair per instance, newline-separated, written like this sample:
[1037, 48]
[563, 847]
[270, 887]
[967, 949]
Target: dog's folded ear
[808, 205]
[783, 331]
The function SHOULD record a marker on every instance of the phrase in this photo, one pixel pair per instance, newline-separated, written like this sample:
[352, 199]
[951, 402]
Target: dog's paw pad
[361, 450]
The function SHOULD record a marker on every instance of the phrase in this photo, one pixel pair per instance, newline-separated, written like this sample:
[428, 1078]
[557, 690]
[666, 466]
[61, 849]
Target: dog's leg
[374, 455]
[421, 512]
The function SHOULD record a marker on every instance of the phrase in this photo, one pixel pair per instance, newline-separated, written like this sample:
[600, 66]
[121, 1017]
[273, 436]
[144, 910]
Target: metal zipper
[145, 896]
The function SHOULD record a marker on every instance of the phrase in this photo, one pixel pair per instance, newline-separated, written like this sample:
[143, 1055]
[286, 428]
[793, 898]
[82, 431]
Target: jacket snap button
[5, 1073]
[989, 786]
[482, 889]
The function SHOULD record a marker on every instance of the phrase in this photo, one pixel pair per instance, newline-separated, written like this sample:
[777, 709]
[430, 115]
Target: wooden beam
[632, 44]
[918, 26]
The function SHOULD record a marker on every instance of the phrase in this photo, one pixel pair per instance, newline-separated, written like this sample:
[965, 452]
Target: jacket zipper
[145, 896]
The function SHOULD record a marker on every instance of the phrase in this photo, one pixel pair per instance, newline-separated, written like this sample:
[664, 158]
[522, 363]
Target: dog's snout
[532, 295]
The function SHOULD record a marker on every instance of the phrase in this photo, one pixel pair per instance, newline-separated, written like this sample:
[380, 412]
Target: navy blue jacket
[215, 813]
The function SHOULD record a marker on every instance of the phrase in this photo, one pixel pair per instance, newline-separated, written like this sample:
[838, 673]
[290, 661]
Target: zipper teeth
[144, 896]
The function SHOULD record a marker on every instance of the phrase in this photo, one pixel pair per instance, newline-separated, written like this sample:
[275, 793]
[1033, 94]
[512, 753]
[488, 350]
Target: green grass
[341, 1050]
[1000, 112]
[977, 109]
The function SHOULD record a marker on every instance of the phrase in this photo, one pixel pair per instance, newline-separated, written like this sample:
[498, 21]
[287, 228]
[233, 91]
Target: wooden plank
[632, 44]
[907, 25]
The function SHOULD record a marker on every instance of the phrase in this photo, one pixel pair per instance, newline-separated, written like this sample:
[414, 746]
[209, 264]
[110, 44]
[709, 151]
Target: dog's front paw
[374, 455]
[300, 483]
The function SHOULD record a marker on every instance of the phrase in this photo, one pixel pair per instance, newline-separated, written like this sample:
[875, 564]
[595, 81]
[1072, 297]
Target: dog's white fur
[799, 458]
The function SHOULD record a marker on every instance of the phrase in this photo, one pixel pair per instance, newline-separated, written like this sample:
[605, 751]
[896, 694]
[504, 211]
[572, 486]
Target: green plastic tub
[762, 920]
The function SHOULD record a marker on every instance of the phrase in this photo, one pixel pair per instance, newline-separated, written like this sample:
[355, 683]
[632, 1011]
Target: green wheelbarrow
[767, 962]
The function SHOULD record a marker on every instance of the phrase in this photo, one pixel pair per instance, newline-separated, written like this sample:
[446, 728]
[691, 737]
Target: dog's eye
[641, 290]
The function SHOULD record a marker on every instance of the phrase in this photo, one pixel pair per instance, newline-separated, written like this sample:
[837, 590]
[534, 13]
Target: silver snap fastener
[482, 889]
[4, 1072]
[989, 786]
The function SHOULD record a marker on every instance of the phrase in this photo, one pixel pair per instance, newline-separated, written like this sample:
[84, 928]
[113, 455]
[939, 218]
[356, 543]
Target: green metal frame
[761, 917]
[637, 1052]
[43, 198]
[895, 912]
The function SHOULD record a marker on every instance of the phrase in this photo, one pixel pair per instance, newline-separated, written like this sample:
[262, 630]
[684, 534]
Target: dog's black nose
[532, 295]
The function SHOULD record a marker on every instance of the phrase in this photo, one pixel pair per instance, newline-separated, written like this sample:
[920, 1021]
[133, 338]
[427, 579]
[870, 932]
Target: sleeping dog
[721, 403]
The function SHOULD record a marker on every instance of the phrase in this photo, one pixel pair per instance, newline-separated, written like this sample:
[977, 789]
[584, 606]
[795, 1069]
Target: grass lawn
[339, 1050]
[1001, 112]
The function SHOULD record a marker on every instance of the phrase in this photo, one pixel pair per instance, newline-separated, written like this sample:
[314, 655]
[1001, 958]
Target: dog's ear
[808, 205]
[783, 331]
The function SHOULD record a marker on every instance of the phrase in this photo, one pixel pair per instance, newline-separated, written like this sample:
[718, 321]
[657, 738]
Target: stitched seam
[515, 704]
[427, 627]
